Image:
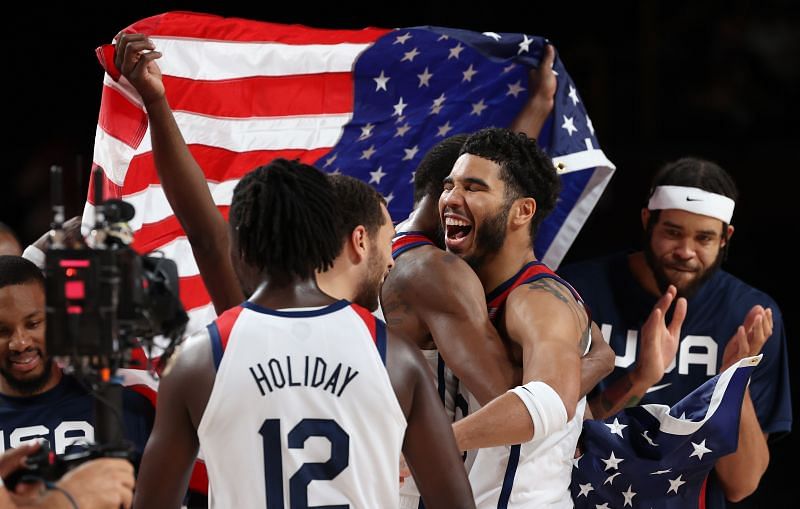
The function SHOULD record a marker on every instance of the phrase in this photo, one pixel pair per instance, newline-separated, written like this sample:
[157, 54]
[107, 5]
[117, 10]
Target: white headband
[694, 200]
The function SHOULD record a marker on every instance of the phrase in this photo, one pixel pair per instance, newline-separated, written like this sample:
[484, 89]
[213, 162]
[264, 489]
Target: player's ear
[358, 243]
[523, 211]
[645, 218]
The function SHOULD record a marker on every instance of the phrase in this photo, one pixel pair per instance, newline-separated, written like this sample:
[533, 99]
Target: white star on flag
[659, 472]
[389, 198]
[410, 55]
[615, 427]
[589, 123]
[601, 506]
[366, 154]
[610, 479]
[399, 107]
[381, 81]
[674, 484]
[700, 449]
[455, 51]
[366, 131]
[649, 440]
[377, 175]
[573, 94]
[402, 130]
[424, 78]
[478, 107]
[523, 46]
[438, 103]
[469, 73]
[493, 35]
[612, 462]
[629, 496]
[585, 489]
[401, 39]
[515, 88]
[410, 152]
[329, 161]
[444, 129]
[442, 38]
[569, 125]
[509, 67]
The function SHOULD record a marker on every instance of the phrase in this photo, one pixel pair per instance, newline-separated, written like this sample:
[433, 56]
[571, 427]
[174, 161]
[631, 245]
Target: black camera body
[102, 301]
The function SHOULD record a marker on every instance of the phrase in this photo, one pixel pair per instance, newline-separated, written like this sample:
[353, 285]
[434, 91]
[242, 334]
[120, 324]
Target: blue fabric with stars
[657, 456]
[415, 87]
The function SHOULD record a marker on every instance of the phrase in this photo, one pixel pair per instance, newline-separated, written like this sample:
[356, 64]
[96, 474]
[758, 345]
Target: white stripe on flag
[577, 216]
[151, 204]
[211, 60]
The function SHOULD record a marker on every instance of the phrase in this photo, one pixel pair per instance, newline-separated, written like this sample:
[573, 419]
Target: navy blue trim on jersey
[336, 306]
[510, 281]
[412, 232]
[380, 339]
[405, 248]
[216, 343]
[440, 376]
[508, 480]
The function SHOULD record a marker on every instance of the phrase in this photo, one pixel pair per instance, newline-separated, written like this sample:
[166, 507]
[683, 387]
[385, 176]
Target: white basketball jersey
[535, 474]
[447, 386]
[302, 412]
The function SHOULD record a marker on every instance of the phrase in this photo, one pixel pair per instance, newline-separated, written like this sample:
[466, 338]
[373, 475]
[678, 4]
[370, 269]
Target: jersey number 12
[298, 484]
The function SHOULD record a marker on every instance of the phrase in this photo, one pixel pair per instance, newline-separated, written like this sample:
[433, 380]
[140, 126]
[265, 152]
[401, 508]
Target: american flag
[659, 457]
[368, 103]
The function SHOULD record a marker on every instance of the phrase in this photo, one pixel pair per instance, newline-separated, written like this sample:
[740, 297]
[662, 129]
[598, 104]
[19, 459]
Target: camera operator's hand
[105, 483]
[14, 459]
[72, 235]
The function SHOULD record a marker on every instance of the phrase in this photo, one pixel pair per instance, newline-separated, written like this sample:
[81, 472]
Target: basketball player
[290, 387]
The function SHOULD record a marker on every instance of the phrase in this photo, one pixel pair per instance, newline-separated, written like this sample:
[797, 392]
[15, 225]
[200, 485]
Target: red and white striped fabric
[243, 93]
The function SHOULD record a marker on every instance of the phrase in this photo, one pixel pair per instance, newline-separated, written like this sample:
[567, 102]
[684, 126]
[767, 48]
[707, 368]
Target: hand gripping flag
[368, 103]
[657, 456]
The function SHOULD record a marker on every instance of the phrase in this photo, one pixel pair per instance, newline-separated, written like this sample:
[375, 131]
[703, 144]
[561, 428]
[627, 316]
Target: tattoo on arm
[609, 397]
[550, 287]
[395, 310]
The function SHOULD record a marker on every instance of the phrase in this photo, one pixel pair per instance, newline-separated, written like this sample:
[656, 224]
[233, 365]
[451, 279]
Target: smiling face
[473, 209]
[24, 365]
[683, 249]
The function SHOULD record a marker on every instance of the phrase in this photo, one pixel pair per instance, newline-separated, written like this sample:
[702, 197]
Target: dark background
[660, 80]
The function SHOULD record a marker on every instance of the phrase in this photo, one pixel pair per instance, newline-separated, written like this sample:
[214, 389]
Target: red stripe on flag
[110, 189]
[121, 118]
[218, 164]
[369, 320]
[207, 26]
[262, 96]
[193, 292]
[701, 500]
[199, 480]
[152, 236]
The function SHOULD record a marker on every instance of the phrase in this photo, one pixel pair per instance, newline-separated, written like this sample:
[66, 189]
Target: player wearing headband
[687, 224]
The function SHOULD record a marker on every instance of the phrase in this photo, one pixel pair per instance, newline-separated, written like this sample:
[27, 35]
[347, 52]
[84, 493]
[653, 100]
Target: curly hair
[525, 169]
[284, 216]
[436, 165]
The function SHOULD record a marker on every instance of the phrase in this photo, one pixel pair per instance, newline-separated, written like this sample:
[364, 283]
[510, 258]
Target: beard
[489, 238]
[689, 289]
[370, 287]
[28, 386]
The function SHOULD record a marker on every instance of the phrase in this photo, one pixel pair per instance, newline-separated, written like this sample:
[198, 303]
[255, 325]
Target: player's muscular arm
[429, 447]
[449, 298]
[172, 447]
[181, 177]
[548, 327]
[598, 363]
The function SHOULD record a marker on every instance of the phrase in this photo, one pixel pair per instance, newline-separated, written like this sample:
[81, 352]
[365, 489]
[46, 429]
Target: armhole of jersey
[219, 332]
[377, 329]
